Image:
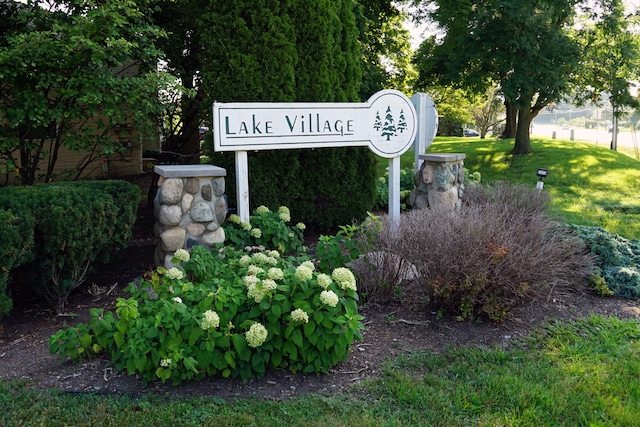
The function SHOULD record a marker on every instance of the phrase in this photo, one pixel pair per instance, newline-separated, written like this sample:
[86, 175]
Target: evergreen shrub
[16, 235]
[75, 225]
[617, 260]
[329, 187]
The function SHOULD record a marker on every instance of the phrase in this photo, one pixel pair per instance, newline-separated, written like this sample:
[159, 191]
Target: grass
[580, 373]
[589, 184]
[583, 373]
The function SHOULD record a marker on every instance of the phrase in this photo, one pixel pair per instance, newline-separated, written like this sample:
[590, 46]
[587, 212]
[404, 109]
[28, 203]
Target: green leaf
[309, 328]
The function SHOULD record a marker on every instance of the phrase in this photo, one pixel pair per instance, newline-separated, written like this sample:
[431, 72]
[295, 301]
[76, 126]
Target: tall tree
[612, 57]
[70, 72]
[386, 47]
[523, 45]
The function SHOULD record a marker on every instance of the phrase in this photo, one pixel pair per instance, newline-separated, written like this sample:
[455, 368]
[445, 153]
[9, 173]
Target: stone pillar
[189, 208]
[439, 182]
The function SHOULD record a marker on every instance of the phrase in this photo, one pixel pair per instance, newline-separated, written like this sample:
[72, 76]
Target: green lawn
[589, 184]
[574, 374]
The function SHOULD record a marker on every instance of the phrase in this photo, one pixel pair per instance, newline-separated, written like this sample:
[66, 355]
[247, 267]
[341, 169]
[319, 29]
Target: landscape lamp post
[542, 174]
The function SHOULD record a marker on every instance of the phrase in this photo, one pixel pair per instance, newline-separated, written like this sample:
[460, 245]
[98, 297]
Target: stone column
[189, 208]
[439, 182]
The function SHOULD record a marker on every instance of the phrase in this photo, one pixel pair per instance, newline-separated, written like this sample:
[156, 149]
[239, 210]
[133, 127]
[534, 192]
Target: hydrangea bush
[267, 228]
[224, 312]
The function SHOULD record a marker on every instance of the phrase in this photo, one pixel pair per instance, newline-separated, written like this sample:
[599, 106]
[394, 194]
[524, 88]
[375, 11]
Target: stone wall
[439, 182]
[189, 208]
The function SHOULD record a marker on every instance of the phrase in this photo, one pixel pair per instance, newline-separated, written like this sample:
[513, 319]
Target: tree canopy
[522, 46]
[70, 72]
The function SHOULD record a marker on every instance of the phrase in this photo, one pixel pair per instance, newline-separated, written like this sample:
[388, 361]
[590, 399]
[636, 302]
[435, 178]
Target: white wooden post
[394, 195]
[242, 185]
[427, 125]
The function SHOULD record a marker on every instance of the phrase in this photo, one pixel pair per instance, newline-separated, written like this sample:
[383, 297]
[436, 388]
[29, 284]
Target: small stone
[202, 212]
[170, 214]
[173, 239]
[195, 229]
[214, 237]
[221, 210]
[187, 200]
[171, 191]
[427, 173]
[192, 186]
[212, 226]
[445, 199]
[218, 186]
[206, 192]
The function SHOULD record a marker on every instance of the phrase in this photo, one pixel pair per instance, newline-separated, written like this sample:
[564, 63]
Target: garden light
[542, 174]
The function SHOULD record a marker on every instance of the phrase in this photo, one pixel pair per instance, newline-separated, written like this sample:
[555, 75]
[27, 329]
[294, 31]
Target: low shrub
[226, 312]
[265, 228]
[406, 186]
[499, 251]
[75, 225]
[617, 260]
[16, 235]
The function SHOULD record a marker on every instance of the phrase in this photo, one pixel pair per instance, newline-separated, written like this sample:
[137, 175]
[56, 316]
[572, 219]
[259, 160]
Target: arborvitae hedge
[282, 51]
[74, 225]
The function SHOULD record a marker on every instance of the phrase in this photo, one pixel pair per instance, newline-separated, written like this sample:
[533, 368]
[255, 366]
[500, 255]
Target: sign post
[386, 123]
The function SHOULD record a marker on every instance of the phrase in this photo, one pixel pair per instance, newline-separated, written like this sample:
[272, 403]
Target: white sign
[386, 123]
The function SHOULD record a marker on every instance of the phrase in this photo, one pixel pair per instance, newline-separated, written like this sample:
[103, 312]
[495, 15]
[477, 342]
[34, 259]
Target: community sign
[386, 123]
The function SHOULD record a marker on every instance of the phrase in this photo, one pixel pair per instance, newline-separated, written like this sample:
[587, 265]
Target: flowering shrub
[229, 313]
[267, 228]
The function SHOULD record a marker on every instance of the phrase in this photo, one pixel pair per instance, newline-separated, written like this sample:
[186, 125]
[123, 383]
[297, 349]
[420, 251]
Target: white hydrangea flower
[256, 233]
[285, 214]
[254, 269]
[299, 315]
[175, 273]
[324, 281]
[262, 209]
[271, 260]
[269, 284]
[256, 292]
[246, 226]
[329, 298]
[301, 226]
[177, 300]
[250, 280]
[274, 254]
[244, 260]
[210, 320]
[304, 273]
[344, 278]
[235, 219]
[181, 255]
[275, 273]
[260, 258]
[256, 335]
[165, 363]
[309, 264]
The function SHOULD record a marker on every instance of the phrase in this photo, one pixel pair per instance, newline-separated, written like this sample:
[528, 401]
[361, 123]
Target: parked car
[470, 132]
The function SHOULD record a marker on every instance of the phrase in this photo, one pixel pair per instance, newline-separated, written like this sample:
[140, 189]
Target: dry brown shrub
[500, 250]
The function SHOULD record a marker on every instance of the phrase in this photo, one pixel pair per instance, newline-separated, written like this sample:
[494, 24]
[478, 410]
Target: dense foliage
[71, 72]
[16, 234]
[301, 51]
[75, 225]
[225, 312]
[617, 261]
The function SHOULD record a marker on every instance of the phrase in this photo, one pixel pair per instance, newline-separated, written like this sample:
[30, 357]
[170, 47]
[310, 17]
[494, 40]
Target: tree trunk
[510, 122]
[523, 139]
